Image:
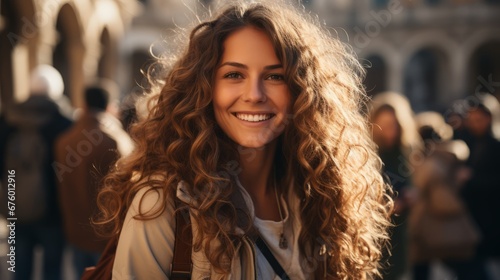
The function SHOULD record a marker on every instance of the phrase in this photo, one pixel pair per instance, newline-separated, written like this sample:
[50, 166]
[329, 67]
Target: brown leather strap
[181, 262]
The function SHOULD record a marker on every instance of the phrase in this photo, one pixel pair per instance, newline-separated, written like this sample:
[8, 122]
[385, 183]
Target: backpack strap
[278, 269]
[181, 262]
[104, 267]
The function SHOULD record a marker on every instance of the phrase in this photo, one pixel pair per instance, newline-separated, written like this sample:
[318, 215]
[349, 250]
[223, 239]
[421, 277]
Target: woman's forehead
[249, 45]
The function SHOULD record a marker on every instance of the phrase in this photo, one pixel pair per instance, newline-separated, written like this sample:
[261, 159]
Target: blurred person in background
[440, 226]
[84, 155]
[482, 191]
[26, 146]
[456, 120]
[395, 133]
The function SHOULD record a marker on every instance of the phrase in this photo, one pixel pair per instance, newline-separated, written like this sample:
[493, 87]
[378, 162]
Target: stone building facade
[433, 51]
[79, 38]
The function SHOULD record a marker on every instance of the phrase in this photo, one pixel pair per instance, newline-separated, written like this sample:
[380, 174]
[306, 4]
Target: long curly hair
[325, 154]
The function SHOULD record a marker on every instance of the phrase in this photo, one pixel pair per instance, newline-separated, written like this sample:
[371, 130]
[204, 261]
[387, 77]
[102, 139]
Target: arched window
[433, 2]
[485, 69]
[376, 74]
[379, 4]
[141, 60]
[307, 3]
[68, 52]
[17, 35]
[107, 60]
[206, 3]
[425, 80]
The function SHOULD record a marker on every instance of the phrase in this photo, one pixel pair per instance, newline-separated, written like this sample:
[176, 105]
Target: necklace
[283, 242]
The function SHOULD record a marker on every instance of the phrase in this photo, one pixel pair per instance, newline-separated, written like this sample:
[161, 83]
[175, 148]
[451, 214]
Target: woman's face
[387, 131]
[478, 123]
[251, 99]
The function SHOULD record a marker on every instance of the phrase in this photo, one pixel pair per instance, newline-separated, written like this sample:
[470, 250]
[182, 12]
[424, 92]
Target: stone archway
[141, 61]
[376, 74]
[106, 66]
[103, 33]
[484, 69]
[18, 39]
[425, 76]
[68, 53]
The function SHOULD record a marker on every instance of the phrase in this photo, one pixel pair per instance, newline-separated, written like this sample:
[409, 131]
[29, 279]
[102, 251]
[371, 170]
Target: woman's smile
[254, 117]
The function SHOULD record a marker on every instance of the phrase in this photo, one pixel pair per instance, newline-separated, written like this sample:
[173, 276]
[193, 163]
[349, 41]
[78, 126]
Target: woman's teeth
[253, 118]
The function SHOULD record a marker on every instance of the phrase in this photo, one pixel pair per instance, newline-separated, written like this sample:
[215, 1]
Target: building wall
[80, 38]
[431, 50]
[426, 49]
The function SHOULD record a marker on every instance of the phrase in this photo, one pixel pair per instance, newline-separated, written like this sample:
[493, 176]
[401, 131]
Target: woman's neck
[256, 170]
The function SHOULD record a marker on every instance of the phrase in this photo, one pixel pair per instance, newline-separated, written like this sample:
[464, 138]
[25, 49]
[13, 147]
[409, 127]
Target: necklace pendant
[283, 243]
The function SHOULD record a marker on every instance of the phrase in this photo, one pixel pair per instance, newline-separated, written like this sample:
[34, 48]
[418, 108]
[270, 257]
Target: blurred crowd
[444, 171]
[443, 168]
[60, 157]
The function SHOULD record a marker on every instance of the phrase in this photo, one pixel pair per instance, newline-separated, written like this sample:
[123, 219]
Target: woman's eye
[277, 77]
[233, 75]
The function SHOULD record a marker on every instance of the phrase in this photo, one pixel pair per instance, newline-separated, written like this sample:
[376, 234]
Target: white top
[145, 248]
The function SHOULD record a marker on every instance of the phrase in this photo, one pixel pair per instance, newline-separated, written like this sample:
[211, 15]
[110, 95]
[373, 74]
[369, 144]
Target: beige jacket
[145, 248]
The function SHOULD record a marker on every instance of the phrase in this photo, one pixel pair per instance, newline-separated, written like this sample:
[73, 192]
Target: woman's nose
[254, 92]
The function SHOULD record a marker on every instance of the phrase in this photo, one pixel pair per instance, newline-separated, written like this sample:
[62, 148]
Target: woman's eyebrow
[243, 66]
[235, 64]
[274, 66]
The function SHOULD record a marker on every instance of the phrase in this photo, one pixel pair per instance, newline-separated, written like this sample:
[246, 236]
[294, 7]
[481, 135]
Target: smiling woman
[251, 99]
[257, 132]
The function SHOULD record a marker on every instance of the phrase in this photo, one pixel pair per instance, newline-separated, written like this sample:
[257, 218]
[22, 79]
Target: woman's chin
[253, 143]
